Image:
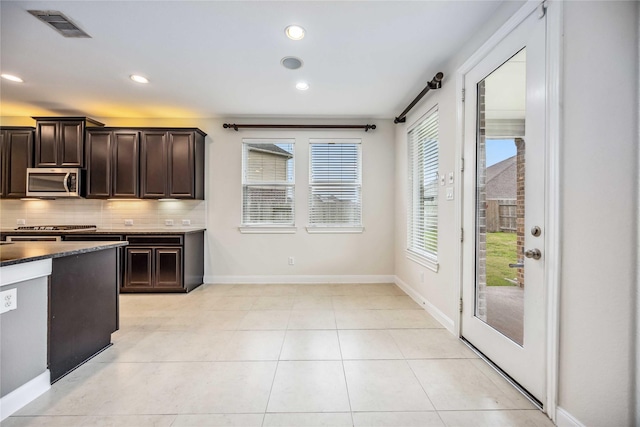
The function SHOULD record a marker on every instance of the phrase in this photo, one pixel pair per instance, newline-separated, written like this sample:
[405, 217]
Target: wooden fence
[501, 215]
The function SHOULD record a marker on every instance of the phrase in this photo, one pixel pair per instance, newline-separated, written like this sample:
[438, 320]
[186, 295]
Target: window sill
[333, 230]
[260, 229]
[423, 261]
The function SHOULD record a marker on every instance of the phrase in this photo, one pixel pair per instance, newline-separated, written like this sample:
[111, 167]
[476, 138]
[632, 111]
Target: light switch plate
[168, 222]
[450, 177]
[442, 179]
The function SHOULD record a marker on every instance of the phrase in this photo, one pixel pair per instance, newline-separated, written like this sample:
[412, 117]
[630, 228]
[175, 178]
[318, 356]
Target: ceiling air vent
[59, 22]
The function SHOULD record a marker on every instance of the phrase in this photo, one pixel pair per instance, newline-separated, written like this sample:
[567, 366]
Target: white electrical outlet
[186, 222]
[128, 222]
[8, 300]
[292, 260]
[21, 221]
[168, 222]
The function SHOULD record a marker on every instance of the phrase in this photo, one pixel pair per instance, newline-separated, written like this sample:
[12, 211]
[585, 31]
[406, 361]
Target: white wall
[599, 175]
[246, 257]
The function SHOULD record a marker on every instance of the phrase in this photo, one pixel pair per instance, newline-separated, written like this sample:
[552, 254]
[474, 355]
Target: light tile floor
[281, 355]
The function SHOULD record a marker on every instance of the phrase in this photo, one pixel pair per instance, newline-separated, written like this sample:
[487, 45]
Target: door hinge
[463, 94]
[462, 234]
[462, 164]
[460, 305]
[542, 10]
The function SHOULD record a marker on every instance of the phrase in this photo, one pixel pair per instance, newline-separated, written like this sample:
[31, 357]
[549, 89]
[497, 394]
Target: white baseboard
[565, 419]
[24, 394]
[310, 279]
[430, 308]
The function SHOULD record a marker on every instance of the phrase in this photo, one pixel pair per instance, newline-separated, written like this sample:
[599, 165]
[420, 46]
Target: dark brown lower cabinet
[164, 263]
[153, 268]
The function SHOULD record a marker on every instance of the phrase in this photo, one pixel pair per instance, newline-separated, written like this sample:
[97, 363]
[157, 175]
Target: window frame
[267, 227]
[423, 255]
[357, 184]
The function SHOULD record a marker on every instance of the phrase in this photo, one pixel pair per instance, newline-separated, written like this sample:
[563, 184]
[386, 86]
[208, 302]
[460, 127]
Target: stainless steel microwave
[54, 182]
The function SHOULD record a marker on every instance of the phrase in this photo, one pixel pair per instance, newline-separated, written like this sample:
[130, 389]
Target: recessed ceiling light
[139, 79]
[302, 85]
[12, 78]
[291, 62]
[294, 32]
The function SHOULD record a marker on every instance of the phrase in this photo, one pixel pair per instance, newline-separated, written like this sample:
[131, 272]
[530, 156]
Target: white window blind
[335, 183]
[422, 230]
[268, 182]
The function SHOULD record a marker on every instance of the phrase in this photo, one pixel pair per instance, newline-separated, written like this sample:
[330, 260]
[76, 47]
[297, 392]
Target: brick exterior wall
[481, 208]
[520, 165]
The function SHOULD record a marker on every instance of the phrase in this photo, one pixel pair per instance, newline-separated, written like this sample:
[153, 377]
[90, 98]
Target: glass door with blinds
[335, 184]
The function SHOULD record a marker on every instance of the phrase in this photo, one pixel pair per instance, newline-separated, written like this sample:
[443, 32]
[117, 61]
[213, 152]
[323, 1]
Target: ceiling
[222, 58]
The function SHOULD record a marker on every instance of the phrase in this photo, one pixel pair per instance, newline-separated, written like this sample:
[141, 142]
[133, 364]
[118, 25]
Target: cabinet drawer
[92, 238]
[154, 240]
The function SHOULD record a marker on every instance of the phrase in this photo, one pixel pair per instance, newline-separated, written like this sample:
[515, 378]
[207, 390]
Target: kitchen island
[61, 302]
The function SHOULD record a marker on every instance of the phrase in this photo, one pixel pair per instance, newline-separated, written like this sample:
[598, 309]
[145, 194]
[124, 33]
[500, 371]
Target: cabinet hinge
[460, 305]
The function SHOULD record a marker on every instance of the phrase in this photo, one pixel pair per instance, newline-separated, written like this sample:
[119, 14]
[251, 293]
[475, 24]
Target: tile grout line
[275, 373]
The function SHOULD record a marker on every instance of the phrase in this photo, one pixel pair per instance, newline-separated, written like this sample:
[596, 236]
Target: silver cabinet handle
[533, 253]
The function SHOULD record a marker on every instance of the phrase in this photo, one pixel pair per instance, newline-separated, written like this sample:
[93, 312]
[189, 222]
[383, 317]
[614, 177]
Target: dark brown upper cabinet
[112, 159]
[172, 164]
[16, 155]
[60, 141]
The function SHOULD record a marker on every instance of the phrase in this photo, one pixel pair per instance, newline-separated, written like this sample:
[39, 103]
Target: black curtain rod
[435, 83]
[237, 127]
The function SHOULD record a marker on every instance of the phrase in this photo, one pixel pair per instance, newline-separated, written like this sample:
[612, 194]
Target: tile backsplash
[106, 214]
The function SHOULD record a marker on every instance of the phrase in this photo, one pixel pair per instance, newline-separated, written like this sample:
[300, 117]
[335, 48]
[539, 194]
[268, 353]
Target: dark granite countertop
[19, 252]
[120, 231]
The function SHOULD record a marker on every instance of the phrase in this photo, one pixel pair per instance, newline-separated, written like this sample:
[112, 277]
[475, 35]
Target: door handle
[519, 264]
[533, 253]
[65, 181]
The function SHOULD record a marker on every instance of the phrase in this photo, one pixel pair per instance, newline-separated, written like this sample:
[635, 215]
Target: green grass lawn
[501, 251]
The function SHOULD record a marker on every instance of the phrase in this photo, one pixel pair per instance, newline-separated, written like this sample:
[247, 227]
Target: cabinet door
[18, 153]
[153, 165]
[71, 144]
[168, 271]
[181, 165]
[125, 164]
[47, 144]
[139, 273]
[99, 164]
[3, 165]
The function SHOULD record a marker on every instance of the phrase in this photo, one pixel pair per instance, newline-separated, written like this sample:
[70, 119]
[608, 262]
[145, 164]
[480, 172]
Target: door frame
[554, 51]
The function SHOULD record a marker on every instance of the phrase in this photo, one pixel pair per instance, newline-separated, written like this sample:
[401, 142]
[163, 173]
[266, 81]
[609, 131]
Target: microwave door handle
[65, 181]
